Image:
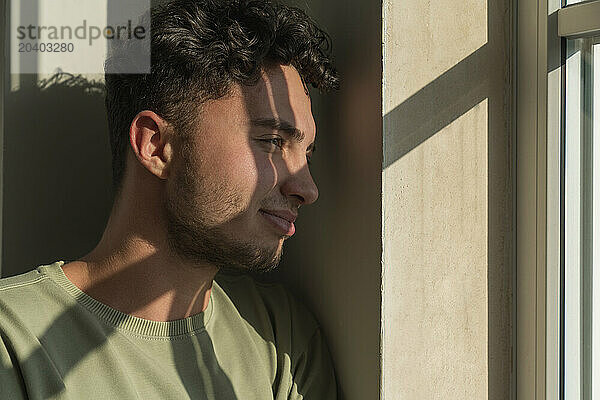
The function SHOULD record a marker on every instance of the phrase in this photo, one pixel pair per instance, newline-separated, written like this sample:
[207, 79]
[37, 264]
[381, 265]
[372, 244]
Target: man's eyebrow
[280, 125]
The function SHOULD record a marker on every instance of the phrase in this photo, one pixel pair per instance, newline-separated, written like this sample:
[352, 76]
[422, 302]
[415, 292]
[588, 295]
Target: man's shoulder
[30, 299]
[20, 287]
[269, 306]
[301, 349]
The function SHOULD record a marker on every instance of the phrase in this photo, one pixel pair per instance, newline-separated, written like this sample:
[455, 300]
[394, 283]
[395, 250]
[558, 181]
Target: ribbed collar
[157, 329]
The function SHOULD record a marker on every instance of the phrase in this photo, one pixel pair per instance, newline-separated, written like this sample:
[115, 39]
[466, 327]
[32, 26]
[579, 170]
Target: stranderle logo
[83, 31]
[80, 36]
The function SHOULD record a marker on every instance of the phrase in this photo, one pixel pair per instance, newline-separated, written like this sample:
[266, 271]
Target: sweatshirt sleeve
[314, 377]
[11, 382]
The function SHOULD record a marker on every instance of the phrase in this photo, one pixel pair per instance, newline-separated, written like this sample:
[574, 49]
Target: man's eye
[276, 141]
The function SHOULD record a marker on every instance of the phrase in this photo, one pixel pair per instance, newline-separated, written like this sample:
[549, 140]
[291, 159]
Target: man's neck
[141, 278]
[133, 269]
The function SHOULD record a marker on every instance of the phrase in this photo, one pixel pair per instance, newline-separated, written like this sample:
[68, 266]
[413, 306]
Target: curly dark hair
[199, 48]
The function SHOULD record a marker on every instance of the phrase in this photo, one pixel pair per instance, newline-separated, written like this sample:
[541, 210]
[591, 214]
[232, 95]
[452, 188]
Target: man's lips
[282, 220]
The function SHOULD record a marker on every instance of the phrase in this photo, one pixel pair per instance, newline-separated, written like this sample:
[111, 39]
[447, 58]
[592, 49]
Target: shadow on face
[236, 193]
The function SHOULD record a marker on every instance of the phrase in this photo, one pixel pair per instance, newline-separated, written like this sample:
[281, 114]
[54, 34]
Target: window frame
[539, 231]
[531, 89]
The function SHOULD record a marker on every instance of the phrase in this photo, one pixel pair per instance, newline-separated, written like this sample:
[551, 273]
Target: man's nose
[300, 184]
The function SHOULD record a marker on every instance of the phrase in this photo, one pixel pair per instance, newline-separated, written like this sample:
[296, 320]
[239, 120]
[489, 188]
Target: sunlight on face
[239, 180]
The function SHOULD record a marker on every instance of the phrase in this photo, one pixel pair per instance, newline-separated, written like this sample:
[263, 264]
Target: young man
[210, 164]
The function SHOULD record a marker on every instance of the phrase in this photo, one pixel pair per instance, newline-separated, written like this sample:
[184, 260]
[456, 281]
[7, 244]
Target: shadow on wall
[57, 181]
[483, 75]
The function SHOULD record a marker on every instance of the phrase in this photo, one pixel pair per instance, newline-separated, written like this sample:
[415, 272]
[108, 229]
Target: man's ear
[150, 138]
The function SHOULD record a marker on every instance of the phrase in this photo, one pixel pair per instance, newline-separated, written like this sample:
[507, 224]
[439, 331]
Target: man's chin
[222, 249]
[255, 268]
[268, 262]
[250, 257]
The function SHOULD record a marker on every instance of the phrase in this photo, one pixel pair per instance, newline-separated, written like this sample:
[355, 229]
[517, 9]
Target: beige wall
[446, 200]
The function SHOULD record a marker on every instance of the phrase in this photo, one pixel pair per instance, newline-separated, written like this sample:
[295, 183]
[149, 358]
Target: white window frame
[539, 239]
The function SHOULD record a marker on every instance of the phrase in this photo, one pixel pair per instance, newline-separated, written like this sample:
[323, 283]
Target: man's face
[237, 183]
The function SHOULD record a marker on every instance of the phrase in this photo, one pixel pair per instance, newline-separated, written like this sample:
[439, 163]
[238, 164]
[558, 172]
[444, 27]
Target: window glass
[582, 220]
[596, 221]
[573, 221]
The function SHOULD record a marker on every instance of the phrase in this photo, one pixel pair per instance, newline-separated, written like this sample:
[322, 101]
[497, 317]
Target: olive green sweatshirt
[252, 342]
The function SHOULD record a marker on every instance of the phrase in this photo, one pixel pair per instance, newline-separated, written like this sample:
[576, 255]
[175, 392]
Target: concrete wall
[56, 171]
[446, 200]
